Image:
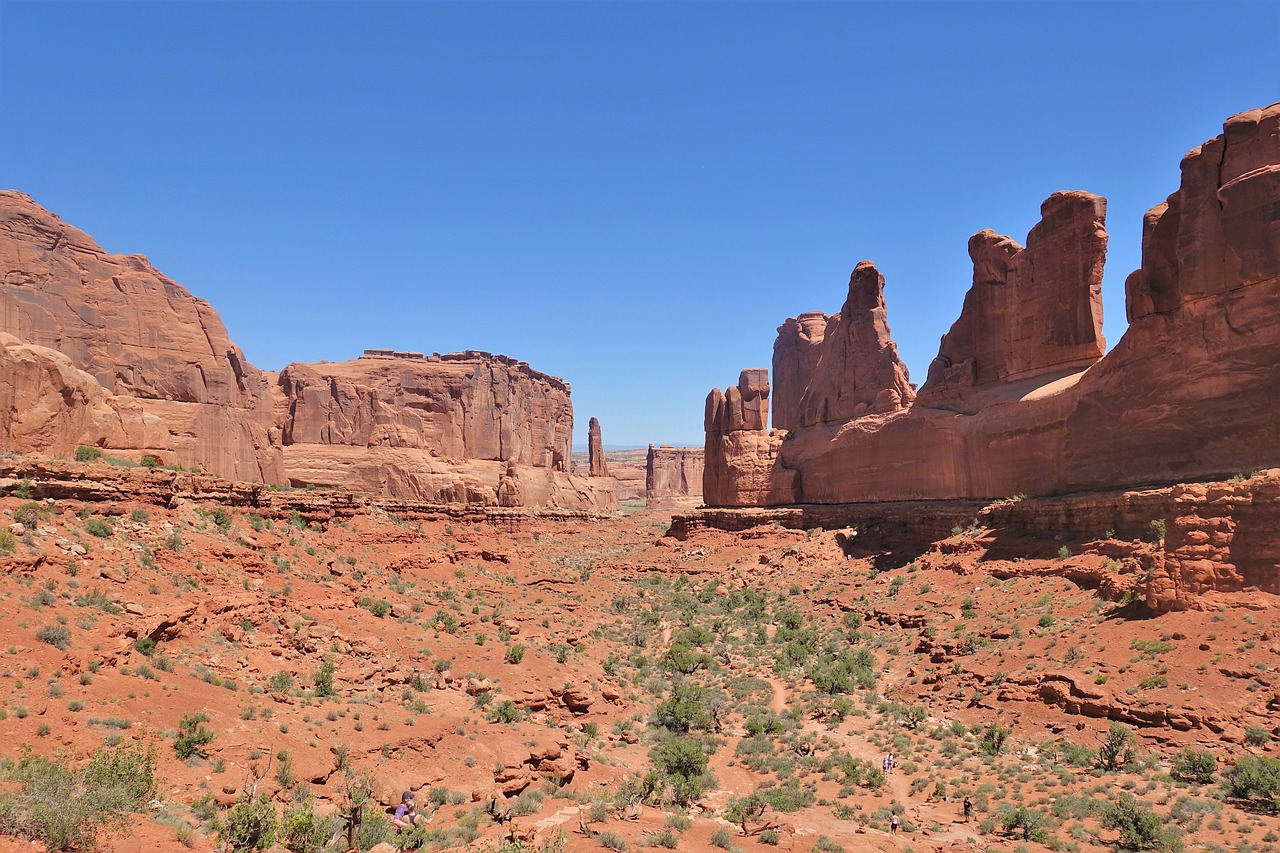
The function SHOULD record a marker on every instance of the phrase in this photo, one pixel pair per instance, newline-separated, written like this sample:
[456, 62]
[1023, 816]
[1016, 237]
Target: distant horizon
[629, 196]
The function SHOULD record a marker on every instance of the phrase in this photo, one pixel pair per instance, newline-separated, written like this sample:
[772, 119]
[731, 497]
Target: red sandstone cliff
[1018, 400]
[673, 477]
[105, 350]
[139, 335]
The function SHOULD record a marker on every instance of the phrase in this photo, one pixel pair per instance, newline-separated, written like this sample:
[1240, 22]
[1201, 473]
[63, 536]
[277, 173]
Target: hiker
[968, 809]
[406, 812]
[894, 823]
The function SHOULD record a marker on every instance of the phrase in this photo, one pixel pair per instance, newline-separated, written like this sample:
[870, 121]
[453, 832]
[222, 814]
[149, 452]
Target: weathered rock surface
[795, 356]
[465, 427]
[857, 370]
[1188, 393]
[105, 350]
[741, 457]
[673, 477]
[1029, 311]
[595, 450]
[140, 335]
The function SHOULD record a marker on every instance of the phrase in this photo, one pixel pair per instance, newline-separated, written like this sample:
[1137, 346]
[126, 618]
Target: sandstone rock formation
[105, 350]
[741, 459]
[673, 477]
[795, 356]
[140, 335]
[1018, 401]
[857, 369]
[595, 450]
[1030, 311]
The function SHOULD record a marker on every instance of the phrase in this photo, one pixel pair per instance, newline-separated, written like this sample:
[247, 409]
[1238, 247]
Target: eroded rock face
[595, 451]
[105, 350]
[857, 369]
[673, 477]
[140, 335]
[741, 458]
[795, 356]
[1018, 401]
[1029, 311]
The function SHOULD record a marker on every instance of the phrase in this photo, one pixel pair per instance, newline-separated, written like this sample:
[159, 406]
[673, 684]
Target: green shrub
[87, 454]
[69, 808]
[1256, 736]
[146, 645]
[250, 824]
[505, 712]
[1118, 749]
[192, 737]
[302, 830]
[1196, 764]
[515, 653]
[1256, 781]
[8, 542]
[994, 737]
[683, 763]
[58, 636]
[99, 527]
[324, 679]
[684, 709]
[1140, 827]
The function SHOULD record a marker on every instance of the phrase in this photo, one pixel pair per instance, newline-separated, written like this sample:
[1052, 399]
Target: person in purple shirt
[405, 812]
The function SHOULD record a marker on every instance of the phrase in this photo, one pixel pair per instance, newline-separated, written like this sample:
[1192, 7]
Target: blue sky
[630, 195]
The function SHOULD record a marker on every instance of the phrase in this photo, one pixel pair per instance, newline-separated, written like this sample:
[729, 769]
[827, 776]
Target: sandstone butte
[1021, 399]
[105, 351]
[673, 477]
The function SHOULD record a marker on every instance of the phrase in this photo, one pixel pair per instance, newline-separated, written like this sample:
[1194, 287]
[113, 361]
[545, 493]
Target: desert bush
[1255, 781]
[324, 678]
[994, 737]
[1256, 736]
[250, 824]
[87, 454]
[302, 830]
[8, 542]
[684, 709]
[1195, 764]
[514, 654]
[192, 737]
[683, 764]
[69, 808]
[505, 711]
[1140, 827]
[99, 527]
[58, 636]
[1118, 749]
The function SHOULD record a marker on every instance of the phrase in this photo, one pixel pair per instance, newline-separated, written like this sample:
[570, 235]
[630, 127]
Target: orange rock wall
[105, 350]
[673, 477]
[1189, 392]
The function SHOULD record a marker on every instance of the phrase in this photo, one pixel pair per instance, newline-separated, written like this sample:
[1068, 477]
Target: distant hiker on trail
[968, 809]
[894, 824]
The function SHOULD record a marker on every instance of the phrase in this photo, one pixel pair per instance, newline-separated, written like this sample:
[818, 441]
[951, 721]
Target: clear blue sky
[629, 195]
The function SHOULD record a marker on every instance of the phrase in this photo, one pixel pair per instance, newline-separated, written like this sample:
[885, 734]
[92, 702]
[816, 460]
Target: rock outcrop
[1019, 400]
[140, 335]
[857, 370]
[1029, 311]
[741, 461]
[105, 350]
[673, 477]
[795, 357]
[598, 467]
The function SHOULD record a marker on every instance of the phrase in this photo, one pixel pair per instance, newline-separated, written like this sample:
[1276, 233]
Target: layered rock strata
[1018, 400]
[673, 477]
[104, 350]
[139, 335]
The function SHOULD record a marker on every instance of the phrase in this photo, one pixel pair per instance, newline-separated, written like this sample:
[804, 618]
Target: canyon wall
[673, 477]
[1020, 399]
[138, 335]
[104, 350]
